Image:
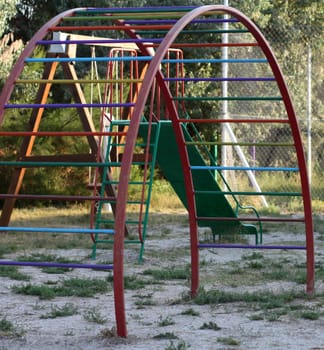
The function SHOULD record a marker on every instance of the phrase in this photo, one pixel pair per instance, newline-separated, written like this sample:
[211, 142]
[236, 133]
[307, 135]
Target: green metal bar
[233, 98]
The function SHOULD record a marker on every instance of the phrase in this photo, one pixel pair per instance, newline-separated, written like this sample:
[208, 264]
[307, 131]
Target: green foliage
[94, 315]
[13, 273]
[67, 309]
[70, 287]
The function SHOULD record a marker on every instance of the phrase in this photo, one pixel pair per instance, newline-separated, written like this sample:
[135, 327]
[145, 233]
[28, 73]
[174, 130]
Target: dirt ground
[158, 314]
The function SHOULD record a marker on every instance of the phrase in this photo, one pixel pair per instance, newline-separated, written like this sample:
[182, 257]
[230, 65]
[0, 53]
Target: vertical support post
[309, 113]
[224, 89]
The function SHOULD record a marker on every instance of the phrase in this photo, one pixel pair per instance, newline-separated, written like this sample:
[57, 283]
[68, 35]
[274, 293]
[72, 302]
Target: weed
[310, 315]
[133, 282]
[93, 315]
[169, 273]
[8, 329]
[180, 346]
[144, 302]
[109, 333]
[210, 325]
[13, 273]
[228, 341]
[265, 299]
[166, 335]
[70, 287]
[164, 322]
[190, 312]
[253, 256]
[68, 309]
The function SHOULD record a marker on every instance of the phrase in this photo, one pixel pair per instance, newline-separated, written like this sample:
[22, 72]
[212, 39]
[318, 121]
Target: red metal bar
[272, 121]
[110, 27]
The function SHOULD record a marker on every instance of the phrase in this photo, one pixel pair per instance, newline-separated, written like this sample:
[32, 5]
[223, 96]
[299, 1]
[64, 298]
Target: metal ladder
[139, 186]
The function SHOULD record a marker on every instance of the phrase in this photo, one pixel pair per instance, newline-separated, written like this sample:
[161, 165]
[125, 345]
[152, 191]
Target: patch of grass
[70, 287]
[169, 273]
[210, 325]
[8, 329]
[68, 309]
[310, 315]
[253, 256]
[144, 302]
[132, 282]
[182, 345]
[190, 312]
[265, 299]
[94, 315]
[13, 273]
[228, 341]
[164, 322]
[166, 335]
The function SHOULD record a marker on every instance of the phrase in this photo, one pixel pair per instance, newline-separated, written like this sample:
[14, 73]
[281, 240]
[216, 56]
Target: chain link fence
[301, 63]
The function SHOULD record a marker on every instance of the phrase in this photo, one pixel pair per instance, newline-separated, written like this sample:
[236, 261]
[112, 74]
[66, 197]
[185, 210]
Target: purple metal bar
[263, 219]
[244, 246]
[172, 21]
[53, 264]
[222, 79]
[67, 105]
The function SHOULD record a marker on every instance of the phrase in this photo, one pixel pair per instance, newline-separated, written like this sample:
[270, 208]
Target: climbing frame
[229, 126]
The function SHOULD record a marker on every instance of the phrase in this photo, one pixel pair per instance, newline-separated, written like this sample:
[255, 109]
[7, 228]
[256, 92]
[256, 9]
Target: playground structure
[146, 108]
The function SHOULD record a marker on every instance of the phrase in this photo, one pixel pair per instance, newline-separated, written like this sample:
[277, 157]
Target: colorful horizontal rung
[229, 98]
[195, 21]
[249, 193]
[68, 105]
[137, 9]
[79, 81]
[56, 197]
[221, 79]
[243, 168]
[236, 120]
[242, 144]
[244, 246]
[114, 16]
[259, 219]
[144, 58]
[27, 164]
[59, 265]
[62, 133]
[195, 31]
[55, 230]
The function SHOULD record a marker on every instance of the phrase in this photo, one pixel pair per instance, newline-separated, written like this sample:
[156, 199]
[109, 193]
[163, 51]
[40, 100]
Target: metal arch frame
[152, 72]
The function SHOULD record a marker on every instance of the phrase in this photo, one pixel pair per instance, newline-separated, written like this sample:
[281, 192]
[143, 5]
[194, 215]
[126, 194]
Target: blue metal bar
[145, 58]
[54, 230]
